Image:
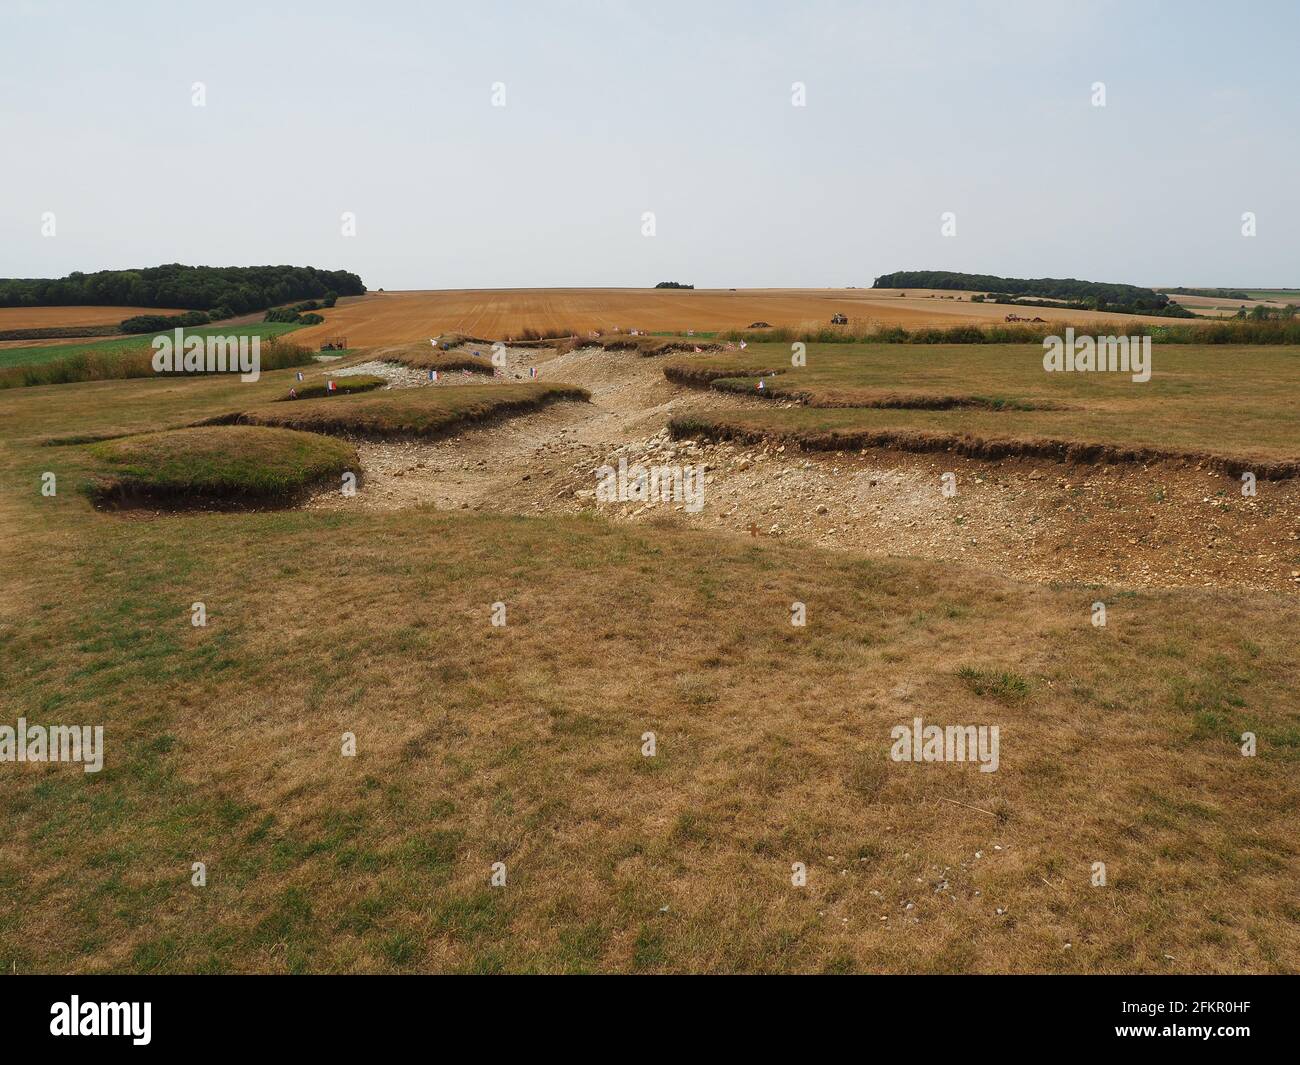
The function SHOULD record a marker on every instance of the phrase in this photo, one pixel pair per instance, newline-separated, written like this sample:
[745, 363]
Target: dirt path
[1135, 526]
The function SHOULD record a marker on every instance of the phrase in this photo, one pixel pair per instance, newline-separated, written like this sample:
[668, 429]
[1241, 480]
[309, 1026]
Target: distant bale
[225, 464]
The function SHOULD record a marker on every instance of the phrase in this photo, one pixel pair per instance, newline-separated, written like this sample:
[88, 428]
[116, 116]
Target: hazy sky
[384, 109]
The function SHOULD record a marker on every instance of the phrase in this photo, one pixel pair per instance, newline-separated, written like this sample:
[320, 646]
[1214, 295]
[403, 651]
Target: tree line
[1084, 295]
[1217, 293]
[236, 289]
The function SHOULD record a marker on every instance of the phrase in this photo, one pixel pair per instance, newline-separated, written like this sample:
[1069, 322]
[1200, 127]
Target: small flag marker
[299, 375]
[330, 387]
[532, 371]
[433, 375]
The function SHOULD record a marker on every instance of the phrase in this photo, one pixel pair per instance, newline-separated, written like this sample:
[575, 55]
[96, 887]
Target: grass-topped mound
[217, 464]
[645, 346]
[411, 411]
[427, 357]
[343, 386]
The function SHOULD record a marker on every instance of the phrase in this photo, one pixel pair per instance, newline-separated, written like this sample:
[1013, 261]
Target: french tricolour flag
[532, 371]
[330, 387]
[433, 375]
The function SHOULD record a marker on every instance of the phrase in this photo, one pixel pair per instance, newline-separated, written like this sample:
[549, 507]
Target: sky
[389, 112]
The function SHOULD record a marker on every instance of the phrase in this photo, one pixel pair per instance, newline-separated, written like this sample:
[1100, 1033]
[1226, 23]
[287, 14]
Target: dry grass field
[398, 317]
[523, 743]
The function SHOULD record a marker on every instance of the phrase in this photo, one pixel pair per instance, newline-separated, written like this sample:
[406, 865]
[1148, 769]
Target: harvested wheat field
[396, 317]
[49, 317]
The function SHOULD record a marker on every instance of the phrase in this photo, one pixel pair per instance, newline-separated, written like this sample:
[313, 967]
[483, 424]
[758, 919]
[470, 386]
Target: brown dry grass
[521, 744]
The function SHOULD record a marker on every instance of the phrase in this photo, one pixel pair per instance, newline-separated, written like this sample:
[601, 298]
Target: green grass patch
[121, 345]
[1002, 685]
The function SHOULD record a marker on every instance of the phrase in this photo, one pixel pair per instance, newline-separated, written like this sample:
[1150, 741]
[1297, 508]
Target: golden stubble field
[48, 317]
[396, 317]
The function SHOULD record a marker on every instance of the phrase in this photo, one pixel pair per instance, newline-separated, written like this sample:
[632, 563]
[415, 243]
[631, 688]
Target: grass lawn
[522, 744]
[54, 352]
[1224, 400]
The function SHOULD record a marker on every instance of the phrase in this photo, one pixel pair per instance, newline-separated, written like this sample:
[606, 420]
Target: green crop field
[1290, 295]
[52, 353]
